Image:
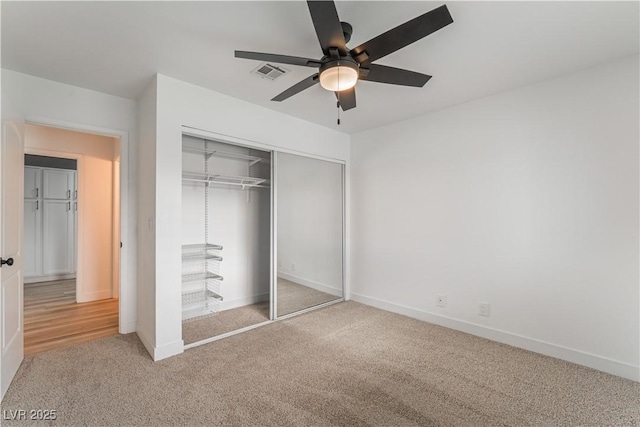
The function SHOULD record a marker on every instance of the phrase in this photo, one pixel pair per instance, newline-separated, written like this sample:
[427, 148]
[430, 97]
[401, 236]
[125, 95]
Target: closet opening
[71, 223]
[226, 238]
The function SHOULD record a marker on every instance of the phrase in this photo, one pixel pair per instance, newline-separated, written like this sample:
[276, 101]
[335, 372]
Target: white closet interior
[226, 237]
[50, 222]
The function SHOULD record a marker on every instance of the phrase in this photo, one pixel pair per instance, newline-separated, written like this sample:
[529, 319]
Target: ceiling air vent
[269, 71]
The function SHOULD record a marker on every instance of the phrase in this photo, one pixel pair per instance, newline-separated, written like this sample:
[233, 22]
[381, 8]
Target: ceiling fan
[340, 68]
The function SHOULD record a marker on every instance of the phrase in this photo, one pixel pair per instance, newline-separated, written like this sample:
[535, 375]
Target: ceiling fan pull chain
[338, 103]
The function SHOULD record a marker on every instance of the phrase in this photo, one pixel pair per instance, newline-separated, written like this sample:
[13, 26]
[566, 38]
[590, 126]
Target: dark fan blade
[394, 76]
[298, 87]
[347, 98]
[403, 35]
[325, 19]
[280, 59]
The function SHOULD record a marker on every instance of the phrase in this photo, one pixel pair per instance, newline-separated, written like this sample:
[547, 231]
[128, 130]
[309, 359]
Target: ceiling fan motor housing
[346, 61]
[347, 30]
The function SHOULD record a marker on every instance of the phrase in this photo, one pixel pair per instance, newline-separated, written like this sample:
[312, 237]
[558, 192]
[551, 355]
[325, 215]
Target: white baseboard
[590, 360]
[52, 278]
[311, 284]
[146, 341]
[93, 296]
[241, 302]
[127, 327]
[168, 350]
[163, 351]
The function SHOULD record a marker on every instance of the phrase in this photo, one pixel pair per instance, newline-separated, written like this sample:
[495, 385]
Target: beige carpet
[293, 297]
[346, 364]
[224, 321]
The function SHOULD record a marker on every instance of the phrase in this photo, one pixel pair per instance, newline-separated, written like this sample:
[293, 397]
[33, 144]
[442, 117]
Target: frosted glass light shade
[338, 78]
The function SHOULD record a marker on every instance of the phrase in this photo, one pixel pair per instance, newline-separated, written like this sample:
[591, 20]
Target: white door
[32, 182]
[57, 237]
[11, 201]
[57, 184]
[32, 238]
[74, 238]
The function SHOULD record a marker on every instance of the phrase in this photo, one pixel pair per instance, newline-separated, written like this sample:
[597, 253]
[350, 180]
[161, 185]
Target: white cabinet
[57, 184]
[32, 260]
[57, 238]
[32, 182]
[50, 223]
[74, 244]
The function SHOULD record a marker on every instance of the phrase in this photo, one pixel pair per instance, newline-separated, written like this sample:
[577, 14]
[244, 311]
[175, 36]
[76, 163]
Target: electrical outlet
[441, 300]
[484, 309]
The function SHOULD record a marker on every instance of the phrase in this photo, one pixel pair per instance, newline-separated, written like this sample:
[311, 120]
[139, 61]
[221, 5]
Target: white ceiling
[116, 48]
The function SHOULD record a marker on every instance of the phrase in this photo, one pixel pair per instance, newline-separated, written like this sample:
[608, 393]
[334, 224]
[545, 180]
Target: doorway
[72, 274]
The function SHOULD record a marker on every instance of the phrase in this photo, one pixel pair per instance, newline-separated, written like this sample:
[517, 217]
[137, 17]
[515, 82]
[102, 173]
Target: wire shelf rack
[207, 152]
[201, 252]
[208, 179]
[200, 277]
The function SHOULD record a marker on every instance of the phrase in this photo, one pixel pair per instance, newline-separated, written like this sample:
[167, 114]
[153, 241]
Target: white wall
[527, 200]
[47, 102]
[95, 203]
[179, 104]
[146, 291]
[310, 207]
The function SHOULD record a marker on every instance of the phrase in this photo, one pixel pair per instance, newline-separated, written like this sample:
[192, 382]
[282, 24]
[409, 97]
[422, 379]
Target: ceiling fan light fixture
[339, 75]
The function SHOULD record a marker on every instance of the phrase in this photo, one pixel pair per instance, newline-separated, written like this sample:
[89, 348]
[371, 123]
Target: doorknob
[8, 261]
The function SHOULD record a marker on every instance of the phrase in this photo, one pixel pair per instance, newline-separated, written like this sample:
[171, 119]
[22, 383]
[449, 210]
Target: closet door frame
[274, 150]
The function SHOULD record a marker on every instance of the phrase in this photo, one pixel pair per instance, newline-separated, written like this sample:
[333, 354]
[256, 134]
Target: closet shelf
[201, 247]
[200, 256]
[200, 252]
[243, 181]
[199, 302]
[199, 309]
[194, 289]
[200, 277]
[217, 153]
[198, 296]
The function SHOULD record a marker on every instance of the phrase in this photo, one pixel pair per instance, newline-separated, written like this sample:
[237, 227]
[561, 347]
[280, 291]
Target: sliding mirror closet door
[226, 238]
[310, 231]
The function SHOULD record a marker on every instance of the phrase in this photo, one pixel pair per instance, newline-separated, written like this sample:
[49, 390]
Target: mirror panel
[310, 227]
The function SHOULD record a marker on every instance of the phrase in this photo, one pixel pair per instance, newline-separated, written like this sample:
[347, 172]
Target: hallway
[53, 319]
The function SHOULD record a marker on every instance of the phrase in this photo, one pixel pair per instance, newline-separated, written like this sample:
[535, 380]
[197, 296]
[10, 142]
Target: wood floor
[53, 319]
